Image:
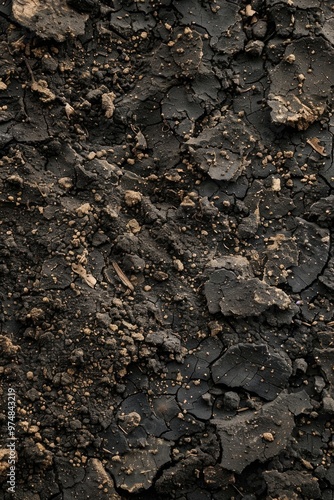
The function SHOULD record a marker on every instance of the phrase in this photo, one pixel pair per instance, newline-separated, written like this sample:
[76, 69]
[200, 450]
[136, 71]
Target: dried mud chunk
[68, 475]
[313, 245]
[300, 4]
[228, 269]
[328, 276]
[36, 453]
[242, 437]
[115, 440]
[191, 399]
[206, 85]
[222, 150]
[162, 67]
[216, 477]
[55, 274]
[34, 131]
[7, 346]
[128, 243]
[49, 19]
[136, 469]
[251, 297]
[5, 139]
[248, 226]
[221, 20]
[293, 112]
[130, 421]
[281, 254]
[274, 205]
[108, 103]
[301, 83]
[4, 462]
[328, 404]
[324, 358]
[327, 25]
[254, 47]
[41, 88]
[135, 407]
[167, 341]
[291, 482]
[187, 51]
[180, 109]
[96, 479]
[323, 210]
[132, 198]
[255, 368]
[183, 425]
[180, 476]
[236, 263]
[231, 401]
[213, 288]
[280, 16]
[165, 407]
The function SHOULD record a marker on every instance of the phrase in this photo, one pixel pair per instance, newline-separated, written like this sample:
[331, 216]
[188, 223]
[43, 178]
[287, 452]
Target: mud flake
[50, 20]
[255, 368]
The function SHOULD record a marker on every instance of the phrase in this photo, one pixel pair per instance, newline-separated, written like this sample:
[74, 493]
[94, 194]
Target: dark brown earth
[166, 208]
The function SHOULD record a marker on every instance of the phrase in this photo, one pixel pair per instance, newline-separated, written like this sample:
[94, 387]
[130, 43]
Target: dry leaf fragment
[90, 280]
[315, 144]
[141, 142]
[87, 277]
[69, 110]
[122, 276]
[108, 104]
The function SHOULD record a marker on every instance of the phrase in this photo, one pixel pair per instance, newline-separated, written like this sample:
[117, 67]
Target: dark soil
[166, 223]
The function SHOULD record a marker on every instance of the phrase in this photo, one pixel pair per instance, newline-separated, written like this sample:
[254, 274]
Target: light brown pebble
[268, 436]
[132, 198]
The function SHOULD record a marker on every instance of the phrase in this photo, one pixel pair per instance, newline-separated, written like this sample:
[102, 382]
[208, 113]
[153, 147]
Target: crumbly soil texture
[167, 263]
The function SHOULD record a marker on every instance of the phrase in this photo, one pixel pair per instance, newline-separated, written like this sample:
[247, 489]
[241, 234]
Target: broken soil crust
[166, 208]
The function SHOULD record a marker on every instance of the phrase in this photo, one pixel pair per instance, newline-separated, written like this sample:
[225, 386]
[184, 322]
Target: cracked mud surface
[166, 210]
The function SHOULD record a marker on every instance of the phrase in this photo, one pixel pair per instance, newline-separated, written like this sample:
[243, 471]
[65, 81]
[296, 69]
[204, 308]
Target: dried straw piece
[122, 276]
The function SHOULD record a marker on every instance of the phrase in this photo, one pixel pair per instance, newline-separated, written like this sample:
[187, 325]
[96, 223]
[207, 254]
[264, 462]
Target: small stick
[30, 70]
[238, 490]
